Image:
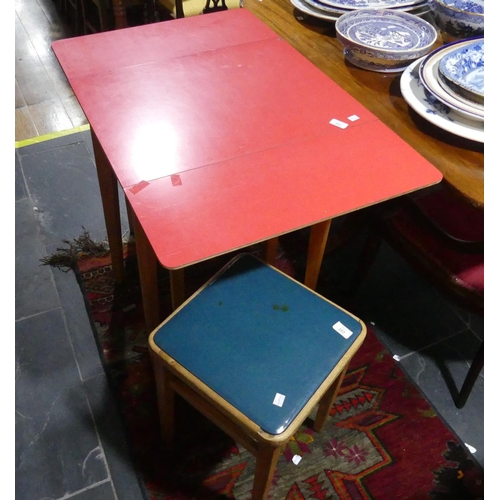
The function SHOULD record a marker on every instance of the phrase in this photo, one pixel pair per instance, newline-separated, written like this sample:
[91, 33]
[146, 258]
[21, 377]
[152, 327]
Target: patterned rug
[382, 441]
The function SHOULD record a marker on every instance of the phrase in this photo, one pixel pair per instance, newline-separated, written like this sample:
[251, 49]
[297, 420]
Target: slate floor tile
[57, 449]
[35, 289]
[103, 491]
[113, 438]
[20, 191]
[63, 186]
[77, 321]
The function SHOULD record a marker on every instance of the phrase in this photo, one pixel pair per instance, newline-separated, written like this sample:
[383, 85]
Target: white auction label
[338, 123]
[353, 118]
[342, 329]
[279, 399]
[296, 459]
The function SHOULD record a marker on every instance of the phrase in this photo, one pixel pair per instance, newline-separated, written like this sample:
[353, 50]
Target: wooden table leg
[120, 13]
[270, 249]
[317, 244]
[130, 216]
[111, 208]
[146, 260]
[177, 291]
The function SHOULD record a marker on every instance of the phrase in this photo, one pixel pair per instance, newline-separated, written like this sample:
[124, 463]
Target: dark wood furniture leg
[147, 262]
[120, 13]
[111, 208]
[317, 244]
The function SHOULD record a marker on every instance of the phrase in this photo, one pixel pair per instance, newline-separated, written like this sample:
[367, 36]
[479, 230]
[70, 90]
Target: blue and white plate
[369, 4]
[475, 6]
[459, 93]
[434, 111]
[429, 76]
[420, 7]
[464, 68]
[387, 30]
[306, 8]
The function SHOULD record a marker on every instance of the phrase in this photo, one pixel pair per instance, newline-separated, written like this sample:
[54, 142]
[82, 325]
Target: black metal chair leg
[470, 379]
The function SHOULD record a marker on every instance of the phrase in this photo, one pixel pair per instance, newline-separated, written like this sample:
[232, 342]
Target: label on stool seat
[342, 329]
[279, 399]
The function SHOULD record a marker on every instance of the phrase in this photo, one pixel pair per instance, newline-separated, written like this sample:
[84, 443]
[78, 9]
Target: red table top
[220, 134]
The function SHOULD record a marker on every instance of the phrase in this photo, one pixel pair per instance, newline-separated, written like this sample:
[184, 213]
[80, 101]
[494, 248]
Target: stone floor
[69, 436]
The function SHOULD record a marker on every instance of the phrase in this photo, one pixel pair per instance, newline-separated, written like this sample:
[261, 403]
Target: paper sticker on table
[279, 399]
[338, 123]
[342, 329]
[353, 118]
[176, 180]
[138, 187]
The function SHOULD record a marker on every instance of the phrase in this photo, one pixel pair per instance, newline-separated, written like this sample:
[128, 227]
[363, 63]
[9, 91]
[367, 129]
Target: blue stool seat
[258, 346]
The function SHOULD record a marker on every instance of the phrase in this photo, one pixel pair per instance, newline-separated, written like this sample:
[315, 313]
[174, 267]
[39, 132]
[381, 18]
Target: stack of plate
[447, 88]
[331, 10]
[454, 75]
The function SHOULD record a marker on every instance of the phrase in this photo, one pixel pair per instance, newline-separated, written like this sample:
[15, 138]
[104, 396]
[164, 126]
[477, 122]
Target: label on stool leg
[279, 399]
[342, 329]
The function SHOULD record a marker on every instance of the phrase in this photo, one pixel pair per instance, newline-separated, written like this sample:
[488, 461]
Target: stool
[254, 351]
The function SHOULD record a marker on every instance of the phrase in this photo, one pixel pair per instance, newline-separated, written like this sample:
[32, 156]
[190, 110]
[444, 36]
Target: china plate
[475, 6]
[322, 5]
[389, 30]
[464, 67]
[350, 5]
[452, 89]
[311, 11]
[435, 112]
[429, 77]
[371, 67]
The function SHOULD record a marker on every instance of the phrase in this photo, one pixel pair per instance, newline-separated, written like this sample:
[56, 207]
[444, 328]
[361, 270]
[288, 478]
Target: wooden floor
[45, 102]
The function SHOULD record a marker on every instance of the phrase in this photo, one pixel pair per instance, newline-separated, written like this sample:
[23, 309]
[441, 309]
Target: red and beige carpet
[383, 440]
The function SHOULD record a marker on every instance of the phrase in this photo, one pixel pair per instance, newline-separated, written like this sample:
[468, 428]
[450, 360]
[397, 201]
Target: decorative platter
[464, 67]
[311, 11]
[369, 4]
[429, 77]
[326, 8]
[457, 93]
[318, 9]
[387, 30]
[371, 67]
[475, 6]
[433, 110]
[323, 5]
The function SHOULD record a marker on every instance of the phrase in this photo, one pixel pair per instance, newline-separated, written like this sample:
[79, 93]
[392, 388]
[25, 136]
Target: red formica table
[223, 135]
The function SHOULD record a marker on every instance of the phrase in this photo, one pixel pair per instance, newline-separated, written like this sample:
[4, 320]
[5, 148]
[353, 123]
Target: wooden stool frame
[171, 378]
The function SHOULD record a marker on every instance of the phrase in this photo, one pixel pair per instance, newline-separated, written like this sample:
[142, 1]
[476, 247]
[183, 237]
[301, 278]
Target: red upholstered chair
[442, 237]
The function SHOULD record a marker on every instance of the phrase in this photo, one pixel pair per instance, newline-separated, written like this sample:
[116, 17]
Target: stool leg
[165, 398]
[267, 458]
[326, 402]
